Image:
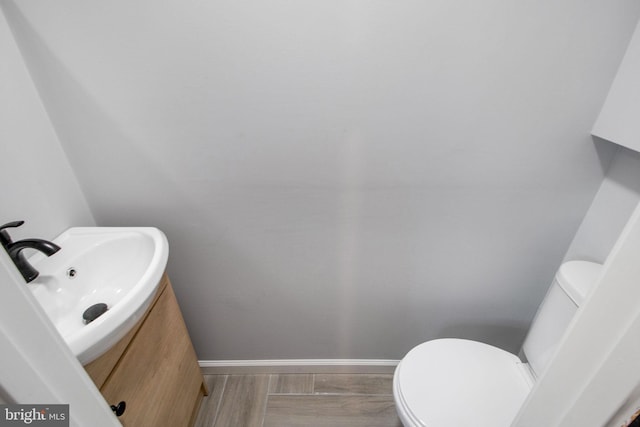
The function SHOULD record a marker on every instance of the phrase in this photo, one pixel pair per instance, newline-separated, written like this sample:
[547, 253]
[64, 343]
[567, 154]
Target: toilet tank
[568, 290]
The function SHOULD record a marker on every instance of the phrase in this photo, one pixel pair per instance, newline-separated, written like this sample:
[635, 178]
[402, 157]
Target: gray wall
[37, 184]
[336, 179]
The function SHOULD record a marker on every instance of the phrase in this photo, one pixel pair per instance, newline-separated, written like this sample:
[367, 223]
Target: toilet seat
[456, 382]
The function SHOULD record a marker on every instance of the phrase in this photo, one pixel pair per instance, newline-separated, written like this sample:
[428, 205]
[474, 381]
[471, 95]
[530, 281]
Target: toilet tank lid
[577, 277]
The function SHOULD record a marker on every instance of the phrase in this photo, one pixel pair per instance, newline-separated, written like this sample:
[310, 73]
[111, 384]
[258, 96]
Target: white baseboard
[299, 366]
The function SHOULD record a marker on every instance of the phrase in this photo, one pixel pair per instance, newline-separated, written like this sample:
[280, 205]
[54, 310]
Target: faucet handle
[11, 224]
[5, 239]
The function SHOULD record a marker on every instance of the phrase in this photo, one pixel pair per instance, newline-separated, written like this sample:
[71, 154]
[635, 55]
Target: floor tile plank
[291, 384]
[331, 411]
[243, 402]
[353, 384]
[210, 403]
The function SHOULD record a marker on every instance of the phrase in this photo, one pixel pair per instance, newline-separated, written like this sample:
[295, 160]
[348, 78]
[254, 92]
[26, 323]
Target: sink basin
[118, 266]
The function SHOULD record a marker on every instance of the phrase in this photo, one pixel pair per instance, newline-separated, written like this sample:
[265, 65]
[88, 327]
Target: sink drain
[93, 312]
[72, 273]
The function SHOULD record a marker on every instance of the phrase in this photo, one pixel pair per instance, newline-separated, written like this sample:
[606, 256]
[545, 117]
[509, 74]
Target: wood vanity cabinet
[154, 369]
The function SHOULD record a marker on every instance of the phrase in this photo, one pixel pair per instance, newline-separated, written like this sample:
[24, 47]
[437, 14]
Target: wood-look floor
[300, 400]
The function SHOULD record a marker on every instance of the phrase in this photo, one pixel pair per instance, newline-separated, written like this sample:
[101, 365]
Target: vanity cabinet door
[158, 376]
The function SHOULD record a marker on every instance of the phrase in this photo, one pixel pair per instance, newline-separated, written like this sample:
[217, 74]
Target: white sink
[118, 266]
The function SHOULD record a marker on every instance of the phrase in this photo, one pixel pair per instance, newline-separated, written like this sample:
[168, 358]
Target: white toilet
[456, 382]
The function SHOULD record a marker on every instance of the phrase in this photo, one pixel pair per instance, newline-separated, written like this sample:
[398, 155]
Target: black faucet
[14, 249]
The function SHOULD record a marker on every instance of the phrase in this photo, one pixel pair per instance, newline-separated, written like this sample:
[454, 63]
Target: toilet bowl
[457, 382]
[467, 382]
